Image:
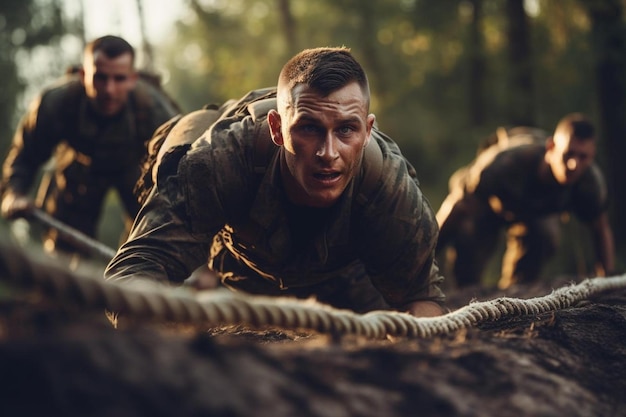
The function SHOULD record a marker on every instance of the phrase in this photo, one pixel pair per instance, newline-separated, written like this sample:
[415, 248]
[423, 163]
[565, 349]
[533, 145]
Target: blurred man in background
[95, 123]
[523, 184]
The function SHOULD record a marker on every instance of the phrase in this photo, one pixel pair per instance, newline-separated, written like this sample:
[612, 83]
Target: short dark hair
[324, 69]
[578, 125]
[112, 46]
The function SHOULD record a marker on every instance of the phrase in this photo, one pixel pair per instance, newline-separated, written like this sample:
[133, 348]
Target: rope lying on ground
[223, 307]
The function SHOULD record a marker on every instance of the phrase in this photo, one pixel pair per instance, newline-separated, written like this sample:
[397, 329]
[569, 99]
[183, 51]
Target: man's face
[569, 157]
[108, 81]
[324, 139]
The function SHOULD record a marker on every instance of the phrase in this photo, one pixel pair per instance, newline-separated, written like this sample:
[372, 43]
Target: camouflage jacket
[60, 123]
[212, 188]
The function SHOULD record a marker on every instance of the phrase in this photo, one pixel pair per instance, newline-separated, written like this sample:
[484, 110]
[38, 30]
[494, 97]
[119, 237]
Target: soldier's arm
[33, 142]
[591, 203]
[161, 245]
[35, 137]
[604, 245]
[398, 244]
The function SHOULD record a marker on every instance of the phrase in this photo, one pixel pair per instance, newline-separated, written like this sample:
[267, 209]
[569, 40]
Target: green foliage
[24, 25]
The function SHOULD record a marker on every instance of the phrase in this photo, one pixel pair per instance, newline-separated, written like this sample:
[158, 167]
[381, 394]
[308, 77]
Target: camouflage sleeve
[161, 246]
[398, 249]
[198, 186]
[33, 142]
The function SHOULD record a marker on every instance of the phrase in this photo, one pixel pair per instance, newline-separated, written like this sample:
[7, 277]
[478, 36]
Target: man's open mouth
[328, 176]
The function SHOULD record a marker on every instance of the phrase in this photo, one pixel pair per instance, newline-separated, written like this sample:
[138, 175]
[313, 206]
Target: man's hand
[424, 309]
[203, 279]
[16, 205]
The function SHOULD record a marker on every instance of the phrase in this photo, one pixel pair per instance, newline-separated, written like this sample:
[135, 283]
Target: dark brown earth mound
[58, 360]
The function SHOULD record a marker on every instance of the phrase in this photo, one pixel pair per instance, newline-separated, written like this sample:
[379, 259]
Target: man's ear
[274, 122]
[371, 120]
[550, 143]
[134, 77]
[81, 73]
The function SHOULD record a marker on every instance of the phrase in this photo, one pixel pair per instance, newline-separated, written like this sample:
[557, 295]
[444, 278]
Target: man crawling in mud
[333, 211]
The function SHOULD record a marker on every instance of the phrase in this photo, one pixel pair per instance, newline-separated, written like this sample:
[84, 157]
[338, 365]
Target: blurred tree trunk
[609, 44]
[289, 26]
[520, 65]
[81, 33]
[477, 67]
[368, 44]
[146, 46]
[25, 26]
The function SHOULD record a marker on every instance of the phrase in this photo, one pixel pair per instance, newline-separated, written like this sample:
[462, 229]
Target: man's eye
[345, 130]
[309, 129]
[120, 78]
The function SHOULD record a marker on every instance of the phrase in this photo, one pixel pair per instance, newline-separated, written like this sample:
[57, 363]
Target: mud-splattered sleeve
[161, 246]
[198, 186]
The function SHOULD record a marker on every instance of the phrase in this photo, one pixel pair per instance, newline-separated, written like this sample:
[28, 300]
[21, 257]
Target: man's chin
[571, 179]
[323, 200]
[317, 195]
[108, 110]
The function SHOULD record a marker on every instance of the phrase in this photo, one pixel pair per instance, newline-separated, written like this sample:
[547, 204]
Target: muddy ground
[57, 359]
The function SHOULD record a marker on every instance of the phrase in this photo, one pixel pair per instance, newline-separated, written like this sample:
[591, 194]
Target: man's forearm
[123, 269]
[160, 245]
[604, 246]
[164, 260]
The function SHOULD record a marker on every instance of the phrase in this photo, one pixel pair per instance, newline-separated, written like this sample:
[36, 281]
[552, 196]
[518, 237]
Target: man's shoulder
[148, 89]
[57, 101]
[389, 160]
[62, 90]
[211, 140]
[386, 172]
[499, 167]
[508, 147]
[149, 97]
[514, 157]
[522, 152]
[593, 181]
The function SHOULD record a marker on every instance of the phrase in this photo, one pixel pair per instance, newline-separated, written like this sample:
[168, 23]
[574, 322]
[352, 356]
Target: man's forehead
[569, 143]
[102, 64]
[303, 93]
[566, 136]
[102, 57]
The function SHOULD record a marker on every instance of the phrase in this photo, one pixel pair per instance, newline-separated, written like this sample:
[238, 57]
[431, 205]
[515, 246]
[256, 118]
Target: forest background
[444, 74]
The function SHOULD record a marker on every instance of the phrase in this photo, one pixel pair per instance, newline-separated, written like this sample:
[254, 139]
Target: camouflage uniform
[212, 203]
[499, 191]
[90, 154]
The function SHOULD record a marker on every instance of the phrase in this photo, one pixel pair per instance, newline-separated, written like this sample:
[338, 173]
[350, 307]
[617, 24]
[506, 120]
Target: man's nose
[328, 149]
[571, 164]
[109, 85]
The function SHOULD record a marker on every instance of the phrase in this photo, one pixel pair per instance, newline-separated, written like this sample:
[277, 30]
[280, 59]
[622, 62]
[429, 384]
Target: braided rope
[147, 300]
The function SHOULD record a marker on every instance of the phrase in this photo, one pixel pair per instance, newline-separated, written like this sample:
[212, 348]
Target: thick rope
[147, 300]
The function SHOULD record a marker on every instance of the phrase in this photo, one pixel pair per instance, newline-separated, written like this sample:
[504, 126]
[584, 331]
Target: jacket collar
[268, 211]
